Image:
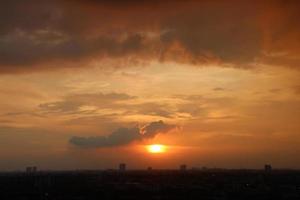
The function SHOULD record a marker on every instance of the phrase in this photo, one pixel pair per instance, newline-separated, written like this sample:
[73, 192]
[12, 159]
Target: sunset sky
[88, 84]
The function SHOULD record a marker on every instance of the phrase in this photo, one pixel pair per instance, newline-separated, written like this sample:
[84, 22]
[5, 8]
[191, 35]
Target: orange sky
[89, 84]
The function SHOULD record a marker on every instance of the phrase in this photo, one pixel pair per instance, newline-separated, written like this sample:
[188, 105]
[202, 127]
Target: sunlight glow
[156, 148]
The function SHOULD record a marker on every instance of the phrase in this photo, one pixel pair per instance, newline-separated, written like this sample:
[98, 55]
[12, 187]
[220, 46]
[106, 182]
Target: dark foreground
[156, 184]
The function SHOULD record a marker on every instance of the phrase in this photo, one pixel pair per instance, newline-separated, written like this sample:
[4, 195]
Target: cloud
[72, 103]
[151, 109]
[123, 136]
[218, 89]
[114, 103]
[114, 106]
[34, 34]
[154, 128]
[61, 107]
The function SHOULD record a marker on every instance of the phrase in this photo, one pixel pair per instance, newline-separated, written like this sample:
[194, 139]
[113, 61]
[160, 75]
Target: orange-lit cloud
[54, 34]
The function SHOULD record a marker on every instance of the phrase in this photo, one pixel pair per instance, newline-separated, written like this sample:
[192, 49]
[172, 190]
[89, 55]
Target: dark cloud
[34, 34]
[123, 136]
[154, 128]
[216, 31]
[25, 49]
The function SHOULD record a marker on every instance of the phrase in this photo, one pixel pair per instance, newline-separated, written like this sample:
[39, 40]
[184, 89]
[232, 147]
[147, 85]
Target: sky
[89, 84]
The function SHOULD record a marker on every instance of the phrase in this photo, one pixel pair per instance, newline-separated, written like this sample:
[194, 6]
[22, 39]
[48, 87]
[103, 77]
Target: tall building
[31, 169]
[28, 169]
[34, 169]
[182, 167]
[122, 167]
[268, 168]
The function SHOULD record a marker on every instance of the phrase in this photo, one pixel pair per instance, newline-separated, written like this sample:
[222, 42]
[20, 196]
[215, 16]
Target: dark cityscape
[204, 183]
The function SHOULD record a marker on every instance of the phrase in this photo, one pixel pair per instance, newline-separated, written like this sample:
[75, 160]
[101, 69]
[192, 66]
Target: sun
[156, 148]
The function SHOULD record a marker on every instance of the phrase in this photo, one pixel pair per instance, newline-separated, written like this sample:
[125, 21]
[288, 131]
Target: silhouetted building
[182, 167]
[122, 167]
[34, 169]
[268, 168]
[31, 169]
[28, 169]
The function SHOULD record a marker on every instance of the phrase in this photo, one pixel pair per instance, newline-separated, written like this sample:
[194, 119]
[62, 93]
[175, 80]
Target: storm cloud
[36, 35]
[123, 136]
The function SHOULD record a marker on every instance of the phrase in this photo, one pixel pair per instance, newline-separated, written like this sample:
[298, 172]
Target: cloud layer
[234, 33]
[123, 136]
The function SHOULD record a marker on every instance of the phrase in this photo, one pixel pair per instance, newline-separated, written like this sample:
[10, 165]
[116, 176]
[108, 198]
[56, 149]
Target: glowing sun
[156, 148]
